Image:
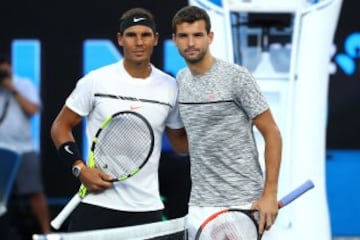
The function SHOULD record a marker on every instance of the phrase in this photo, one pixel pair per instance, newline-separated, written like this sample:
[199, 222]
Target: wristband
[69, 153]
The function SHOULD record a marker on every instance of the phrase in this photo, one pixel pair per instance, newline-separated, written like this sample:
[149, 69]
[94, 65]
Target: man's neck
[202, 66]
[138, 69]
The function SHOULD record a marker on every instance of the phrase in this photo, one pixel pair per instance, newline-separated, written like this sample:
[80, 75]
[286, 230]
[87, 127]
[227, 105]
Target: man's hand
[267, 208]
[95, 180]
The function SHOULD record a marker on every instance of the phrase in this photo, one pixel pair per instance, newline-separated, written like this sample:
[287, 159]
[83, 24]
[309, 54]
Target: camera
[3, 74]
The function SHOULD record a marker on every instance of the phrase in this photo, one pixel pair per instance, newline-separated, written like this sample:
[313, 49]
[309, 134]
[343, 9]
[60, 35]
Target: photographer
[19, 101]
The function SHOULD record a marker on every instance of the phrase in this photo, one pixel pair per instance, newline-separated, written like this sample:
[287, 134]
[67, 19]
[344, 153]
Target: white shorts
[196, 215]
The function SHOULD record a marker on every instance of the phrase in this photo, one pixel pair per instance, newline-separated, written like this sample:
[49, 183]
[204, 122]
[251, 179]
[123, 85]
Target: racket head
[229, 224]
[122, 145]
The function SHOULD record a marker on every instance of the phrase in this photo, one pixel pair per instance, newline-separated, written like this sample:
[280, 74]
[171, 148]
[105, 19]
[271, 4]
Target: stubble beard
[196, 59]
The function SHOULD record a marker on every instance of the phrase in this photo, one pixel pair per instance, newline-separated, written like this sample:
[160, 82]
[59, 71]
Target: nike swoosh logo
[67, 149]
[133, 107]
[138, 19]
[210, 96]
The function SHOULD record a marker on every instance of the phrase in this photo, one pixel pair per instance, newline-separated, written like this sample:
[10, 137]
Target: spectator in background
[19, 101]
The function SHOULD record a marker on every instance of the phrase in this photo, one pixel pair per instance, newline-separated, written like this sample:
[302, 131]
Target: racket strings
[230, 226]
[123, 146]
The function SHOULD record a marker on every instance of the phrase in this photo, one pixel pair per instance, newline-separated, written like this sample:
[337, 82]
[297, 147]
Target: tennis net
[166, 230]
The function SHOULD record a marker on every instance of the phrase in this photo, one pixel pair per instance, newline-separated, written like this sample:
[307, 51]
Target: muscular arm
[61, 132]
[178, 140]
[273, 145]
[267, 204]
[61, 129]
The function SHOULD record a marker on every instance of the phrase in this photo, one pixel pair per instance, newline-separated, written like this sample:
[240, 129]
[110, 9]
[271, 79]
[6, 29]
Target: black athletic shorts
[88, 217]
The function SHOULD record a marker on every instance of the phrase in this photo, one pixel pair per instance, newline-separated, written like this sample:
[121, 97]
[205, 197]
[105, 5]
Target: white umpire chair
[286, 44]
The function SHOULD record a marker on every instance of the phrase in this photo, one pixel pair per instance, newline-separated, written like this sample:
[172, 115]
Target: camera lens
[3, 75]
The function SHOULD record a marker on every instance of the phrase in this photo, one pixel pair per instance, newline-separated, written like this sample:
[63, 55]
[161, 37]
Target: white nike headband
[137, 19]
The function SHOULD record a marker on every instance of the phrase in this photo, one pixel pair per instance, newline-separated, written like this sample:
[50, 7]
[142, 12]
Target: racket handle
[296, 193]
[65, 212]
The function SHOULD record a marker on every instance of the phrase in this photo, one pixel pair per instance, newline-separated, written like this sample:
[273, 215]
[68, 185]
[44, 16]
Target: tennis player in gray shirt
[219, 103]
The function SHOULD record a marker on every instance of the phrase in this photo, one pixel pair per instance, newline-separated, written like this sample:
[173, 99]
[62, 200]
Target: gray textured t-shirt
[217, 109]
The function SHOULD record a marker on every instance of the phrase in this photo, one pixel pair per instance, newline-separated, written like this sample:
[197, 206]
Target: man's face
[192, 40]
[138, 43]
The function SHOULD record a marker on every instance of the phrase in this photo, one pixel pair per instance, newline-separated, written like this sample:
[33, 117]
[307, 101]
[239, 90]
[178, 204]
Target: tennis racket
[121, 147]
[240, 224]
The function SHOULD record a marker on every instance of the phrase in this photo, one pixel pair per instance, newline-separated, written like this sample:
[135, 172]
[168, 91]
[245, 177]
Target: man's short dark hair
[191, 14]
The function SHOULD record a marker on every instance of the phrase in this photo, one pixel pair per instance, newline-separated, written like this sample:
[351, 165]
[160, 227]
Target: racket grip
[296, 193]
[65, 212]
